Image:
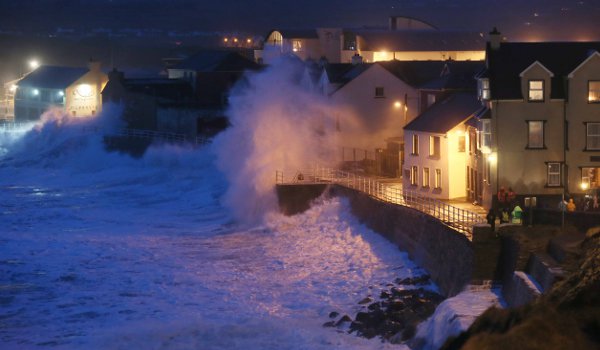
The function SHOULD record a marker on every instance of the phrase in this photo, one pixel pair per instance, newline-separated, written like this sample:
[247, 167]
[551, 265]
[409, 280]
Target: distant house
[192, 100]
[385, 96]
[211, 74]
[439, 147]
[406, 39]
[544, 102]
[144, 100]
[76, 90]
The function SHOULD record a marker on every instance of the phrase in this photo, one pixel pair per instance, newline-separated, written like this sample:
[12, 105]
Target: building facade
[544, 102]
[75, 90]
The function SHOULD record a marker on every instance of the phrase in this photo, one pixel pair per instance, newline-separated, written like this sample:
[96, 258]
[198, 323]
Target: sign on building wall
[83, 101]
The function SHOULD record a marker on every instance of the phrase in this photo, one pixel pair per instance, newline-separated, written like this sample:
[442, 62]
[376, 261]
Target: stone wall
[446, 254]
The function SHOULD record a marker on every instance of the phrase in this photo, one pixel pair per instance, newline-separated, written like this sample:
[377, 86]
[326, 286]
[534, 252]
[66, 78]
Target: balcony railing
[459, 219]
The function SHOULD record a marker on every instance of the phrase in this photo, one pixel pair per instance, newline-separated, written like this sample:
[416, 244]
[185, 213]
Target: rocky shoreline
[393, 314]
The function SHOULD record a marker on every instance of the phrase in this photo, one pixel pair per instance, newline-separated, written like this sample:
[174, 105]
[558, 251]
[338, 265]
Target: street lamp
[34, 64]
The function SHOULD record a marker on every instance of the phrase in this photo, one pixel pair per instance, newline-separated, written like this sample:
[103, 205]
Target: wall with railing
[459, 219]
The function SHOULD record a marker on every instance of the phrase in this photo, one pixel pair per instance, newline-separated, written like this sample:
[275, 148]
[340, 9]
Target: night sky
[518, 19]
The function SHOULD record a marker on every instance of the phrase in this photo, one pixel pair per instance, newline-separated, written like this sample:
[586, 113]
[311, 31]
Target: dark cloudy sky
[519, 19]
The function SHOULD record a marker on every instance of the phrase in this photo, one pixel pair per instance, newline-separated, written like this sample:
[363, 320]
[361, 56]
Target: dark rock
[396, 305]
[385, 294]
[366, 300]
[419, 280]
[333, 314]
[374, 306]
[329, 324]
[409, 332]
[343, 320]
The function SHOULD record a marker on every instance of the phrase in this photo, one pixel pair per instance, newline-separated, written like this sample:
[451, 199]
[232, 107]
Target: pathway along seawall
[446, 254]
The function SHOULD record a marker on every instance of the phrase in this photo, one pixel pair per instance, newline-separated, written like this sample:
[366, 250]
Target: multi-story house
[543, 135]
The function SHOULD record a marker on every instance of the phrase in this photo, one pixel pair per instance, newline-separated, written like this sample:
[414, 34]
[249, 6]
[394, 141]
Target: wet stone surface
[395, 313]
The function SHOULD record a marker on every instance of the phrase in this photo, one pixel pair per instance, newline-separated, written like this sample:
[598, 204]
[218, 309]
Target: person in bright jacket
[517, 214]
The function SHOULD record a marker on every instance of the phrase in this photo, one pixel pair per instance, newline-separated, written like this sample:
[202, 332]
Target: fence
[460, 219]
[15, 127]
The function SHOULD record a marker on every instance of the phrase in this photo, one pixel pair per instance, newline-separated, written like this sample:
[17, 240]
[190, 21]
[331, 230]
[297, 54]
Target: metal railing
[460, 219]
[153, 135]
[14, 126]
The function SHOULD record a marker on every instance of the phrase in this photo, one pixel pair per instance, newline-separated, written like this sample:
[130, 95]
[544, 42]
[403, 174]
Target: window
[415, 145]
[594, 91]
[589, 177]
[462, 141]
[438, 178]
[484, 92]
[535, 134]
[592, 136]
[414, 173]
[425, 177]
[430, 99]
[485, 141]
[379, 92]
[297, 45]
[554, 178]
[536, 90]
[434, 146]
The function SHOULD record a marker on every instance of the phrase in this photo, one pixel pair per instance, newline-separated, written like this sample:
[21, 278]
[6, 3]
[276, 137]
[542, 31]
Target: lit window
[297, 45]
[592, 136]
[275, 39]
[484, 92]
[536, 90]
[554, 174]
[594, 91]
[535, 138]
[425, 177]
[590, 177]
[414, 174]
[462, 141]
[434, 146]
[438, 178]
[379, 92]
[415, 145]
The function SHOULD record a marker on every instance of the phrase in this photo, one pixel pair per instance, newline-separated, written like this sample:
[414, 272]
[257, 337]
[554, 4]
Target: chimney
[115, 75]
[495, 39]
[357, 59]
[94, 66]
[393, 23]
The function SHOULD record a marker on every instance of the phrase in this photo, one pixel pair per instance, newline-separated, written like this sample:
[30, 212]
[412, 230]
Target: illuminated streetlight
[13, 88]
[225, 40]
[248, 40]
[34, 64]
[35, 92]
[584, 186]
[235, 40]
[397, 104]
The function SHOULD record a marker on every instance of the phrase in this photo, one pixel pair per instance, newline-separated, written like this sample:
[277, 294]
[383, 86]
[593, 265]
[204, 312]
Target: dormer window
[484, 91]
[594, 91]
[536, 91]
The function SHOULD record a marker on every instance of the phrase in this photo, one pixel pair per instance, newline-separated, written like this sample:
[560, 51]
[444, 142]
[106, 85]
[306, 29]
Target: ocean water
[100, 250]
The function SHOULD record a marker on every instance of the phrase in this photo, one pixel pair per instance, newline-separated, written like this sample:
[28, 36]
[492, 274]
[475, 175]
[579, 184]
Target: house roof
[52, 77]
[421, 40]
[435, 74]
[446, 114]
[341, 73]
[511, 59]
[217, 61]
